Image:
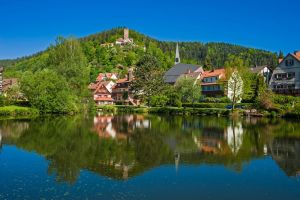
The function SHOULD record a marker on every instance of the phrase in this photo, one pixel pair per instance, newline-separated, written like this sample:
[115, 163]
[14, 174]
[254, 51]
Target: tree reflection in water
[123, 146]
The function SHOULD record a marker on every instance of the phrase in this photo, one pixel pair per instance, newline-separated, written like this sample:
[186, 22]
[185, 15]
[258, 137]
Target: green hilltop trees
[61, 85]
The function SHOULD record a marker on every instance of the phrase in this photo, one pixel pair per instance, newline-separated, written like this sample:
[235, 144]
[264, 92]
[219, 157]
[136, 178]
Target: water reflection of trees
[11, 130]
[125, 146]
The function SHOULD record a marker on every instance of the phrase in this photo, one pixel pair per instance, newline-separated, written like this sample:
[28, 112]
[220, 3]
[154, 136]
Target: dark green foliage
[68, 60]
[280, 55]
[148, 78]
[2, 100]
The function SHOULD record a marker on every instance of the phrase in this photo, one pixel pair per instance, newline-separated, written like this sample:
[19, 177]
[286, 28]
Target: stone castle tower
[126, 34]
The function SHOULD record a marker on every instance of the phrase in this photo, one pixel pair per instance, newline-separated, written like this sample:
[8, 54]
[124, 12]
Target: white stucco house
[286, 76]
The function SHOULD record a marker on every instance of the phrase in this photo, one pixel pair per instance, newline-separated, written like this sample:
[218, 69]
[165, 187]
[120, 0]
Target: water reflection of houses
[220, 139]
[286, 152]
[109, 126]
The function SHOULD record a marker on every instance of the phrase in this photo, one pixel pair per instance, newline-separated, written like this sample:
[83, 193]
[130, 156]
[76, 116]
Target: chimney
[126, 34]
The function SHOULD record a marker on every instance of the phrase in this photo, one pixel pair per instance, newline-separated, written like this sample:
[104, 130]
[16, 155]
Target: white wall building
[286, 77]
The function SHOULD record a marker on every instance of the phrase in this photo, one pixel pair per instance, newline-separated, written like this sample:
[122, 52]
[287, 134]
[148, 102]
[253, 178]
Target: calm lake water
[149, 157]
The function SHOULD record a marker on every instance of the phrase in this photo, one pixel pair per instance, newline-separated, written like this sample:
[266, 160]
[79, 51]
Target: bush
[189, 111]
[158, 100]
[2, 100]
[216, 100]
[295, 112]
[108, 108]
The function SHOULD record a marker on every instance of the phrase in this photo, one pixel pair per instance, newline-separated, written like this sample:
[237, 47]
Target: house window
[283, 76]
[289, 62]
[291, 75]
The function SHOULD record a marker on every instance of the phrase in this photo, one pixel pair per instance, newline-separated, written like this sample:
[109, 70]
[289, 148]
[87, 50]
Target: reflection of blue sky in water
[210, 158]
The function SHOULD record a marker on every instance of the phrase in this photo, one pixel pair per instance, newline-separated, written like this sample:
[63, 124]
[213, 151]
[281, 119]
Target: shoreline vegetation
[243, 109]
[201, 109]
[16, 112]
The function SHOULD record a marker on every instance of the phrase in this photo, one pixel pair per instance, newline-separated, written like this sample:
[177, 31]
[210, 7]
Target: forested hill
[211, 54]
[106, 58]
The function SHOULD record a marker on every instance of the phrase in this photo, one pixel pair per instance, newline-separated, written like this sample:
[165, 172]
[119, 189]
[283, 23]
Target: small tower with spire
[177, 57]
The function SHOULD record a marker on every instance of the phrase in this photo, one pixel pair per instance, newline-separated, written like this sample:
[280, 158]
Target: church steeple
[177, 57]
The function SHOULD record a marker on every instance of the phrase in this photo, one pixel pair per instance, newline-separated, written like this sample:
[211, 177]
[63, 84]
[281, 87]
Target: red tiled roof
[212, 73]
[297, 55]
[107, 75]
[100, 84]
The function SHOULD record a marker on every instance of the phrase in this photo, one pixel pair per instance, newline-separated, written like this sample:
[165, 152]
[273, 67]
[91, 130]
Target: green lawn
[18, 111]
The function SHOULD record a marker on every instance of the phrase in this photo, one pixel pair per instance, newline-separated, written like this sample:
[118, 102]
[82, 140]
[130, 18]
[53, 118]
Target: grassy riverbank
[165, 110]
[18, 111]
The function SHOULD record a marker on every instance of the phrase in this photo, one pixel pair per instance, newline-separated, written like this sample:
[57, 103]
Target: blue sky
[28, 26]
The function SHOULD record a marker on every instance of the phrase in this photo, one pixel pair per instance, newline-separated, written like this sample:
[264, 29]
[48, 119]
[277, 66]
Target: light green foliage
[18, 111]
[60, 86]
[189, 89]
[14, 94]
[158, 100]
[249, 79]
[48, 92]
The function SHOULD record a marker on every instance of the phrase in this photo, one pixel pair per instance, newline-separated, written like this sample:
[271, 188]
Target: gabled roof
[103, 84]
[213, 73]
[101, 76]
[177, 70]
[194, 75]
[295, 55]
